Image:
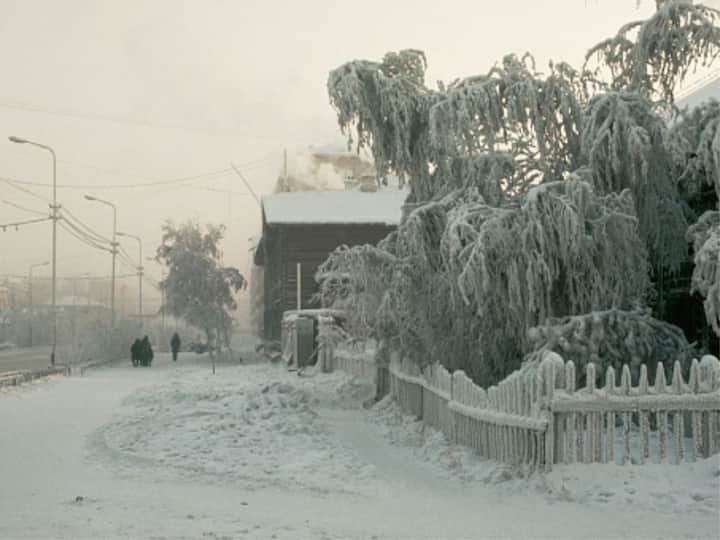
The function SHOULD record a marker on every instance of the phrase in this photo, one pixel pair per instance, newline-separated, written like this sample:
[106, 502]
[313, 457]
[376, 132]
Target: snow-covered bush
[611, 338]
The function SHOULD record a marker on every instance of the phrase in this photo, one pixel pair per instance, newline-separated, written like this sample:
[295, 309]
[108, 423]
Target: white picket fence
[539, 417]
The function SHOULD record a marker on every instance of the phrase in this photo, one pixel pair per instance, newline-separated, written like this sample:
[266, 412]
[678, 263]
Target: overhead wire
[177, 180]
[67, 227]
[17, 224]
[14, 184]
[30, 210]
[94, 237]
[67, 278]
[98, 117]
[64, 210]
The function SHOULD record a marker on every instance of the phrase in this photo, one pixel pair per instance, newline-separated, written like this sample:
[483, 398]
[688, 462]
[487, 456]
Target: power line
[267, 158]
[91, 232]
[17, 224]
[126, 258]
[85, 240]
[99, 117]
[128, 264]
[178, 180]
[13, 184]
[217, 190]
[247, 184]
[25, 209]
[92, 236]
[67, 278]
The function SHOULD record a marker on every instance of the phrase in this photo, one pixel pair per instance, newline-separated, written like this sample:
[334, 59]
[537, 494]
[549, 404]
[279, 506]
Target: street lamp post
[54, 208]
[114, 254]
[30, 299]
[140, 271]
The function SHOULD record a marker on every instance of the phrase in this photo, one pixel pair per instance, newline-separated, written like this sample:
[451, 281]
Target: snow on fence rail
[539, 417]
[598, 424]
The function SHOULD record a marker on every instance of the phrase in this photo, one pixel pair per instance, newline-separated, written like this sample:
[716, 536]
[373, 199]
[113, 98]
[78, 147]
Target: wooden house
[304, 228]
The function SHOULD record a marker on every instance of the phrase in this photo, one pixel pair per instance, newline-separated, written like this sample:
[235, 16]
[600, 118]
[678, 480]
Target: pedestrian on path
[175, 346]
[146, 352]
[135, 350]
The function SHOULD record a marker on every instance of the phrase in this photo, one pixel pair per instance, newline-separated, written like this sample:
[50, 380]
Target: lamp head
[18, 140]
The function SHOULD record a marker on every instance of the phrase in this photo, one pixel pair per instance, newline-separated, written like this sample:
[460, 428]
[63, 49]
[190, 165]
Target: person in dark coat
[135, 352]
[146, 353]
[175, 346]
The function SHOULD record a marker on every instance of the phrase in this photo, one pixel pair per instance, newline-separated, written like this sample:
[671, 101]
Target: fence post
[661, 416]
[591, 420]
[610, 439]
[679, 421]
[549, 379]
[625, 390]
[643, 417]
[709, 375]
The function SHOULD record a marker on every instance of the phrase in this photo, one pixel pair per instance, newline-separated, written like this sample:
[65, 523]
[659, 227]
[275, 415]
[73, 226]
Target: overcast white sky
[141, 90]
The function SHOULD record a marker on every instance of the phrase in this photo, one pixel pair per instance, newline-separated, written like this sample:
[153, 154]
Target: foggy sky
[137, 91]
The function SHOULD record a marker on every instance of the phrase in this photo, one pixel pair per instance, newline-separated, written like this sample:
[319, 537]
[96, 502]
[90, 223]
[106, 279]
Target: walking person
[146, 352]
[135, 350]
[175, 346]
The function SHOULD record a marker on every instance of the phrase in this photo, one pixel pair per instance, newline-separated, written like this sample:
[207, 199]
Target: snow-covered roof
[334, 207]
[700, 94]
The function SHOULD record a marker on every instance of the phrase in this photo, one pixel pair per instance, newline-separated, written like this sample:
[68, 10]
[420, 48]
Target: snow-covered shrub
[611, 338]
[565, 250]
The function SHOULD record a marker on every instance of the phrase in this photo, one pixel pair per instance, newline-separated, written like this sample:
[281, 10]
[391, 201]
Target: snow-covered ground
[258, 452]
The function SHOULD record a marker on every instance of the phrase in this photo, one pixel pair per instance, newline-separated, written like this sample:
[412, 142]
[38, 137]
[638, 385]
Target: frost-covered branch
[512, 104]
[653, 56]
[705, 235]
[623, 142]
[387, 104]
[694, 143]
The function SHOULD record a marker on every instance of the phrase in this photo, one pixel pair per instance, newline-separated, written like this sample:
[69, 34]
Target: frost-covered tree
[652, 57]
[198, 288]
[544, 197]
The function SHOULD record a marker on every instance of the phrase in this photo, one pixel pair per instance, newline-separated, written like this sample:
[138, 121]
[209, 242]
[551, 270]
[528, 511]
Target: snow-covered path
[256, 452]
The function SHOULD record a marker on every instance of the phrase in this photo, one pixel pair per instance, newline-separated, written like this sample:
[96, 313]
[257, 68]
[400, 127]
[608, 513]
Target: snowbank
[253, 423]
[690, 488]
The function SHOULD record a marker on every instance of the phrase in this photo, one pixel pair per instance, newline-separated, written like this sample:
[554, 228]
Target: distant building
[4, 297]
[304, 228]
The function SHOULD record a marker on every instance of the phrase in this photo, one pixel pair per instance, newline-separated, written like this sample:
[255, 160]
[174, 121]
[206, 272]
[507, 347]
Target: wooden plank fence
[334, 353]
[539, 417]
